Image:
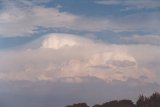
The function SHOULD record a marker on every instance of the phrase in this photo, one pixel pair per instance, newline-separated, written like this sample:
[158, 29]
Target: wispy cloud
[143, 39]
[130, 4]
[21, 21]
[15, 21]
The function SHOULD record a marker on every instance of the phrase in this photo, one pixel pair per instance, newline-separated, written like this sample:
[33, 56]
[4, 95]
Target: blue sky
[79, 45]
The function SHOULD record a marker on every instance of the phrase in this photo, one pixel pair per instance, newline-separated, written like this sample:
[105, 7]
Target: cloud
[71, 58]
[132, 4]
[144, 39]
[23, 3]
[16, 20]
[58, 41]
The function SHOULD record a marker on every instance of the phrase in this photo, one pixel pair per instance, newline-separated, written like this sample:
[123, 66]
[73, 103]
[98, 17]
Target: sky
[59, 52]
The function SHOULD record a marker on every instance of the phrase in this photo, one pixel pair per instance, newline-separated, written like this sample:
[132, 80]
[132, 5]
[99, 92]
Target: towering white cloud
[56, 43]
[71, 58]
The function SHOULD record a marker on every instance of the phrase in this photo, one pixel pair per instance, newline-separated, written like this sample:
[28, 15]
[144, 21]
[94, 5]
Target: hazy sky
[59, 52]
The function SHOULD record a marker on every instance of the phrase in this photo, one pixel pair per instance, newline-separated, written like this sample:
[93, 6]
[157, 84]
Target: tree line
[143, 101]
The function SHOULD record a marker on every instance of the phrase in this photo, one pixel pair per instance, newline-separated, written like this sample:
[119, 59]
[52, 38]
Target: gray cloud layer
[59, 94]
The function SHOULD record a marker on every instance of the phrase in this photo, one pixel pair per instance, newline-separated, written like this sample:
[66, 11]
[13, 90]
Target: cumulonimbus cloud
[71, 58]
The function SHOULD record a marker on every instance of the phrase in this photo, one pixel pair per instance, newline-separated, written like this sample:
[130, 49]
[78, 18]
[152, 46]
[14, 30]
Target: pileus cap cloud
[60, 40]
[56, 42]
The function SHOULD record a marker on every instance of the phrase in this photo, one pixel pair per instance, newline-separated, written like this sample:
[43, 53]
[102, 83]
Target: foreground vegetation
[152, 101]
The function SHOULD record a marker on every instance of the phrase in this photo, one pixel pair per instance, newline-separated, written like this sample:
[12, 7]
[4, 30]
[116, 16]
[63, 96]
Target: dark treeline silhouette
[152, 101]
